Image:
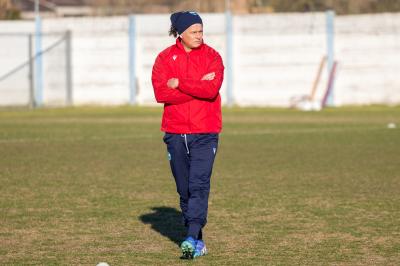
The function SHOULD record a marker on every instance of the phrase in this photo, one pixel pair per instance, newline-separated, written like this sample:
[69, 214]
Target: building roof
[48, 5]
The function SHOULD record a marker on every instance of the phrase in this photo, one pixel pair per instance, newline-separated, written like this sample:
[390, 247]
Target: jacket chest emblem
[174, 57]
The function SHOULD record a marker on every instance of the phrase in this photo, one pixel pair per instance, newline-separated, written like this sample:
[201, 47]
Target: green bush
[11, 13]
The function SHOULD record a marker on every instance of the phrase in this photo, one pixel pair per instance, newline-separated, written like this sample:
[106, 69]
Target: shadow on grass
[167, 221]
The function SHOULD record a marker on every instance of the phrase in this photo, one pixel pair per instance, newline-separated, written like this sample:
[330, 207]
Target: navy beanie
[183, 20]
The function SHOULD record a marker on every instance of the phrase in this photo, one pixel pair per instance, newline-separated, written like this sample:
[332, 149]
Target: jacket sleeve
[205, 89]
[162, 92]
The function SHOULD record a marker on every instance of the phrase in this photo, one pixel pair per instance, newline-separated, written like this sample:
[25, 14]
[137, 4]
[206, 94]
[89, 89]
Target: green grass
[90, 184]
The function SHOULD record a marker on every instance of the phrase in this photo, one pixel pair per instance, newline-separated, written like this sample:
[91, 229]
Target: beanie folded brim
[183, 20]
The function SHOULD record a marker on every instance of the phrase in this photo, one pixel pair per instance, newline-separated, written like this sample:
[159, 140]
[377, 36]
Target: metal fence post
[30, 60]
[38, 63]
[229, 57]
[132, 59]
[68, 64]
[330, 19]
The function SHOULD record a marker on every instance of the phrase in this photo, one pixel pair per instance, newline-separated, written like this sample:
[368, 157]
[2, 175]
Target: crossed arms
[181, 90]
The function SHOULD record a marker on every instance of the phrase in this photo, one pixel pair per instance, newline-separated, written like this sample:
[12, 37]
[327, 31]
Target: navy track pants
[191, 158]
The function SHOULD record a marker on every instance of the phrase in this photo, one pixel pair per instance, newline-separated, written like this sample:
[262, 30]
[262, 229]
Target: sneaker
[188, 247]
[201, 249]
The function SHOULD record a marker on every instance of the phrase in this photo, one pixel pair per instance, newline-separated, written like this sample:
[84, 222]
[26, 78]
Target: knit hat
[183, 20]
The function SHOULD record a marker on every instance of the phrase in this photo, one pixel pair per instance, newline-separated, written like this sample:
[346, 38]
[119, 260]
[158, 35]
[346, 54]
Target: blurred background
[17, 9]
[305, 53]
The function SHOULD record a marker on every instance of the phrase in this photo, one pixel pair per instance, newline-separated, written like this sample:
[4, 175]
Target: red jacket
[195, 106]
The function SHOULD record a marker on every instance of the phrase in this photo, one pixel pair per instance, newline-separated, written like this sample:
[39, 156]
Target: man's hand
[173, 83]
[209, 76]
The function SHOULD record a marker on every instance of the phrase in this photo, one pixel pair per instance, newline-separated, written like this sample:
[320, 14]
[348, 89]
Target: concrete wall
[14, 50]
[368, 50]
[276, 58]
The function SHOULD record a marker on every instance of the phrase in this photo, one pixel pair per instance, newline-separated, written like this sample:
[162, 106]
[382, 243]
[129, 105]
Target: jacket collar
[182, 48]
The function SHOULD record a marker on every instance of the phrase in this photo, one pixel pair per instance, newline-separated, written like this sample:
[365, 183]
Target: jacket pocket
[167, 137]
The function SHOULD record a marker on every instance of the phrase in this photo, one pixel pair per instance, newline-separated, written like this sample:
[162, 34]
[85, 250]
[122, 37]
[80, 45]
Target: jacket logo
[174, 57]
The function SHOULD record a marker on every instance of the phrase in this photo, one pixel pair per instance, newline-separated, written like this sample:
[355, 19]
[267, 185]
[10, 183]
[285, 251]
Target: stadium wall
[275, 57]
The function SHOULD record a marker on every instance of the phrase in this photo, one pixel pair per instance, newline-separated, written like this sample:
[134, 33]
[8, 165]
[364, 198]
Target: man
[187, 77]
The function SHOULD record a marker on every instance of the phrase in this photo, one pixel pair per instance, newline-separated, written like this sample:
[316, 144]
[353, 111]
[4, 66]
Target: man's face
[192, 37]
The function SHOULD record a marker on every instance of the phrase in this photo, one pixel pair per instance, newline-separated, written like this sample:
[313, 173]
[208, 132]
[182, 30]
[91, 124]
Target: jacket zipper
[187, 71]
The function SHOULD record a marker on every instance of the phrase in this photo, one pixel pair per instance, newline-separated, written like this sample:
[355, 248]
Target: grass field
[84, 185]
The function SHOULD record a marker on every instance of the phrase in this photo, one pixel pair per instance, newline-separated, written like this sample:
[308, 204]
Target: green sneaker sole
[187, 250]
